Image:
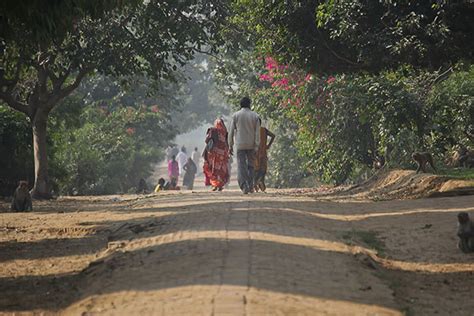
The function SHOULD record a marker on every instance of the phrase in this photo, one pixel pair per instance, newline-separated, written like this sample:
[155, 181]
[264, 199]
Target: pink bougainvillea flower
[308, 77]
[270, 63]
[265, 77]
[155, 109]
[280, 83]
[130, 131]
[331, 79]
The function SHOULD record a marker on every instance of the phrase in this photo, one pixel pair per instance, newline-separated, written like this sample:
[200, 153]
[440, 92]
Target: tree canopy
[151, 38]
[345, 35]
[345, 82]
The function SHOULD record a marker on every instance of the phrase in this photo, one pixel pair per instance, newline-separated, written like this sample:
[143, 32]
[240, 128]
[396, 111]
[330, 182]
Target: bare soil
[302, 252]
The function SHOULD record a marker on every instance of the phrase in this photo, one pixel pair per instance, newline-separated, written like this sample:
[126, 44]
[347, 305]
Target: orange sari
[215, 165]
[261, 161]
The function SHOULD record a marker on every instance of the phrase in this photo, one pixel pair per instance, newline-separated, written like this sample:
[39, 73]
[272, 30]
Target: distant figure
[378, 161]
[217, 155]
[182, 158]
[207, 180]
[261, 160]
[164, 185]
[173, 171]
[465, 232]
[190, 170]
[21, 198]
[195, 157]
[246, 129]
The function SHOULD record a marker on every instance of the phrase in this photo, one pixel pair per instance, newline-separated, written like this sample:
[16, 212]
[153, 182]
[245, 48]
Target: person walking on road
[182, 158]
[196, 156]
[216, 156]
[261, 161]
[173, 171]
[245, 128]
[190, 170]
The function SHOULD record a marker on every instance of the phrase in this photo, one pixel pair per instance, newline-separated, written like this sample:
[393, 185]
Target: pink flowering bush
[341, 122]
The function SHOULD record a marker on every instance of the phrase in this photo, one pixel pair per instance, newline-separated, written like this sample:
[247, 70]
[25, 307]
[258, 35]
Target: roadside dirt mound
[407, 184]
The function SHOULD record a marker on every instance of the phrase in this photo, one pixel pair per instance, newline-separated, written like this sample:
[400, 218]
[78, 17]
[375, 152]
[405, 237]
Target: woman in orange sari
[216, 156]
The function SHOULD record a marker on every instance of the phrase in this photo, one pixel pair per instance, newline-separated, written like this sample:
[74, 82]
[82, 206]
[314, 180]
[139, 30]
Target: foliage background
[342, 82]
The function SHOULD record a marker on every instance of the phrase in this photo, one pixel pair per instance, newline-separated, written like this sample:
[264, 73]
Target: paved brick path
[229, 254]
[224, 253]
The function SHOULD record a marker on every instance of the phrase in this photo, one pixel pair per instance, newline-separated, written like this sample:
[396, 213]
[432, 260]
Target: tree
[353, 76]
[328, 36]
[152, 38]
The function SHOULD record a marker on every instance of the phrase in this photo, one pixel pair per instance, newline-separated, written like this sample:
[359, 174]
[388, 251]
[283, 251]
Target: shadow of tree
[200, 262]
[57, 247]
[301, 219]
[274, 265]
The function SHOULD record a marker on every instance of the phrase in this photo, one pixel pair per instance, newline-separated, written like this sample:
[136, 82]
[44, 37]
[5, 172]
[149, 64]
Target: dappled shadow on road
[171, 241]
[47, 248]
[299, 219]
[209, 261]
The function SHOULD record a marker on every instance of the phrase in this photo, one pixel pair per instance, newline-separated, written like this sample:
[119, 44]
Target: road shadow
[55, 247]
[199, 262]
[299, 219]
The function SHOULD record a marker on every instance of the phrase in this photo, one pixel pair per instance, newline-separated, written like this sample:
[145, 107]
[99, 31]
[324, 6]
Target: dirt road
[223, 253]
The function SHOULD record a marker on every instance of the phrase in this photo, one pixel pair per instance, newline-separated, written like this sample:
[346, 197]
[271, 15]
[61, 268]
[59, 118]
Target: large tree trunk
[41, 189]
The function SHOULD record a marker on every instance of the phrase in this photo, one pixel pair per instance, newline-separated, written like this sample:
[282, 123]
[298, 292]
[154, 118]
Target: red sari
[217, 155]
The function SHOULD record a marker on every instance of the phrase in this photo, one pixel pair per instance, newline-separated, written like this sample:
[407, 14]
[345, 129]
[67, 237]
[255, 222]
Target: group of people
[180, 164]
[251, 141]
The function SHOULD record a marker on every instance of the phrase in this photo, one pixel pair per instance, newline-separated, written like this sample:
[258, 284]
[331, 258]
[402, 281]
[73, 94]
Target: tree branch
[6, 90]
[350, 62]
[13, 103]
[444, 75]
[58, 81]
[62, 93]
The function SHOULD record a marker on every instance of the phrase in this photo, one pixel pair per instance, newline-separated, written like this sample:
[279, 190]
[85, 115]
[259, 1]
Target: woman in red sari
[216, 156]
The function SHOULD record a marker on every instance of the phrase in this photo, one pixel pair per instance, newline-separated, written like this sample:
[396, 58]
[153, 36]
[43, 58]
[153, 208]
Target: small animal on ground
[423, 158]
[21, 198]
[461, 157]
[465, 233]
[142, 187]
[378, 162]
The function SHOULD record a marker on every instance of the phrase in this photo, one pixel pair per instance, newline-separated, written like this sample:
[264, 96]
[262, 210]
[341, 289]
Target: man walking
[182, 158]
[195, 156]
[246, 127]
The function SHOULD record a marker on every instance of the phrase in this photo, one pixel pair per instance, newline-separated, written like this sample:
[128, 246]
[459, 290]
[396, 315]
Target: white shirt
[181, 159]
[195, 156]
[246, 126]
